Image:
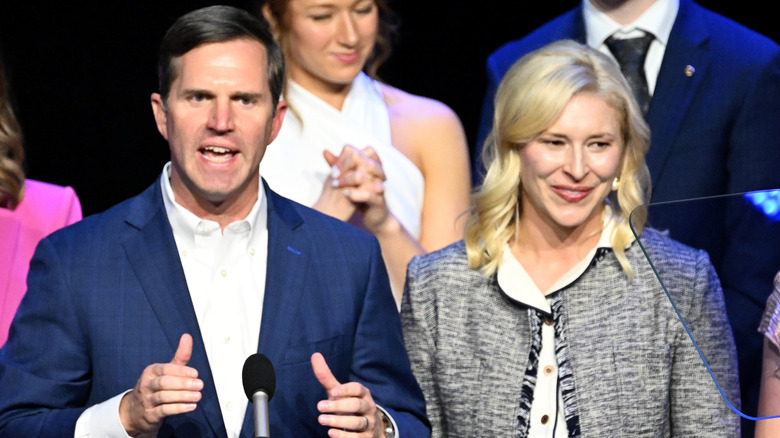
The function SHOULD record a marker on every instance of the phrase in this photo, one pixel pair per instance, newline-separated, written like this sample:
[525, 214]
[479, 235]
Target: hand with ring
[350, 410]
[365, 426]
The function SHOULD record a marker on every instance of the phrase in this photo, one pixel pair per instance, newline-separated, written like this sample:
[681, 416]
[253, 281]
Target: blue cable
[751, 196]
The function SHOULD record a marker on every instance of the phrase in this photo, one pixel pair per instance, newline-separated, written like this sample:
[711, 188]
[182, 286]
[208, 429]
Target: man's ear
[160, 114]
[276, 126]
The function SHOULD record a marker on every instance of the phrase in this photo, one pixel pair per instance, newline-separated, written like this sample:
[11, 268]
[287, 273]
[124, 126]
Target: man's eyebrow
[193, 91]
[246, 95]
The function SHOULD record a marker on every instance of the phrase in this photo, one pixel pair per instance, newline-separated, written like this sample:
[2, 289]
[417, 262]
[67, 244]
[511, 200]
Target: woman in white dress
[357, 149]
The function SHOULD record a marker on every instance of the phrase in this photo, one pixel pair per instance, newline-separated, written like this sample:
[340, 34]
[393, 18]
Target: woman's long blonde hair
[530, 98]
[11, 150]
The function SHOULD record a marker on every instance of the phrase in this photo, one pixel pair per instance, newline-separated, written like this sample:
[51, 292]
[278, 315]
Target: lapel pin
[689, 70]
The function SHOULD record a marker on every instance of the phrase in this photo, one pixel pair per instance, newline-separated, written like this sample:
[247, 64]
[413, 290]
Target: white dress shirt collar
[182, 219]
[658, 20]
[518, 285]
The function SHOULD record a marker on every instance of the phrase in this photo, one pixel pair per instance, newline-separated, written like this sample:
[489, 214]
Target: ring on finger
[365, 426]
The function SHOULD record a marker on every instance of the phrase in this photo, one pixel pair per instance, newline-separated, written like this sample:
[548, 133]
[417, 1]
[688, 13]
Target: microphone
[259, 385]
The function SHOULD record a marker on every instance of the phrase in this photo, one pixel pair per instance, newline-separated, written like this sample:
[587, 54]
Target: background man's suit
[713, 132]
[122, 303]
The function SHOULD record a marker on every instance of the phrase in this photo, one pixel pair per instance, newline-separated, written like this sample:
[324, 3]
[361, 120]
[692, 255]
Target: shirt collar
[515, 282]
[657, 20]
[186, 225]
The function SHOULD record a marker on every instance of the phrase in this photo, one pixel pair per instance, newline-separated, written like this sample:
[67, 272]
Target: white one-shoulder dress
[293, 164]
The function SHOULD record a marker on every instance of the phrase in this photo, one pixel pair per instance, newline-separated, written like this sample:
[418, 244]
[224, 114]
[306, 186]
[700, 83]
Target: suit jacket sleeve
[38, 399]
[384, 366]
[692, 414]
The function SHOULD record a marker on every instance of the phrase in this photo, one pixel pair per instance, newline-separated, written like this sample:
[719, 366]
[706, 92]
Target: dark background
[81, 74]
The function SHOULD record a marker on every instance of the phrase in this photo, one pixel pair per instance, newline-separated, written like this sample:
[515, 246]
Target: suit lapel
[675, 89]
[155, 260]
[289, 252]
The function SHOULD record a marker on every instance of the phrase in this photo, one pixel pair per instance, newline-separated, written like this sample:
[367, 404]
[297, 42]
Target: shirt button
[549, 321]
[545, 419]
[251, 251]
[229, 406]
[223, 273]
[184, 253]
[549, 370]
[227, 339]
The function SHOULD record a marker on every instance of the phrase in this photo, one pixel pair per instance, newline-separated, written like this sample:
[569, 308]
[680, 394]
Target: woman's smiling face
[568, 170]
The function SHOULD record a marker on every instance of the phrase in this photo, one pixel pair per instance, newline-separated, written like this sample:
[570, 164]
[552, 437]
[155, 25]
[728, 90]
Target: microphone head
[258, 375]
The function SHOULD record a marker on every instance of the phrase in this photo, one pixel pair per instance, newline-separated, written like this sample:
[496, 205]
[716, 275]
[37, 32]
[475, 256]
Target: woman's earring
[615, 184]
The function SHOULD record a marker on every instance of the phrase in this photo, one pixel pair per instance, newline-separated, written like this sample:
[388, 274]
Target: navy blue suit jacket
[715, 132]
[108, 296]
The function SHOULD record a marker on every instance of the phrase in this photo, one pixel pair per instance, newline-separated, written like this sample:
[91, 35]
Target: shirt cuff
[102, 420]
[392, 429]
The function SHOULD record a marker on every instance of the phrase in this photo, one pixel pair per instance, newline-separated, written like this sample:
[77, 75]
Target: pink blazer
[44, 208]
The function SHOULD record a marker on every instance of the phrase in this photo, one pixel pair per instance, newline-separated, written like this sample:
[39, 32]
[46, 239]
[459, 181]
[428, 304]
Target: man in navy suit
[137, 321]
[714, 116]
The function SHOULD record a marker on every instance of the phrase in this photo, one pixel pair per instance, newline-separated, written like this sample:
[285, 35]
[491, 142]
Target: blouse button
[548, 321]
[548, 370]
[545, 419]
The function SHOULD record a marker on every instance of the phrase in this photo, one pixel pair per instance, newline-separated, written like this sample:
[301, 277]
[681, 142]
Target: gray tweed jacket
[636, 371]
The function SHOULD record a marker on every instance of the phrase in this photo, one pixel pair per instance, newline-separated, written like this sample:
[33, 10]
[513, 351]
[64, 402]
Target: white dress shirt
[657, 20]
[225, 273]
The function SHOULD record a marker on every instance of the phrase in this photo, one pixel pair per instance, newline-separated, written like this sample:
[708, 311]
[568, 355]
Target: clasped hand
[356, 185]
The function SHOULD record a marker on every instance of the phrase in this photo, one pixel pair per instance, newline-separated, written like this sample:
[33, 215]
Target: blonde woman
[547, 320]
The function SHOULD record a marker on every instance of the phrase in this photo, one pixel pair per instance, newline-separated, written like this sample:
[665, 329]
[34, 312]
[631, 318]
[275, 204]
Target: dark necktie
[630, 54]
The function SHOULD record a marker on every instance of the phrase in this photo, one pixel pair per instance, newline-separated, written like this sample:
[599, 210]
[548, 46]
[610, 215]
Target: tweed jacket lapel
[469, 355]
[588, 306]
[503, 350]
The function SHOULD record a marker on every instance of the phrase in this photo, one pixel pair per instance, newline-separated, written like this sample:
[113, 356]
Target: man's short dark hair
[217, 24]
